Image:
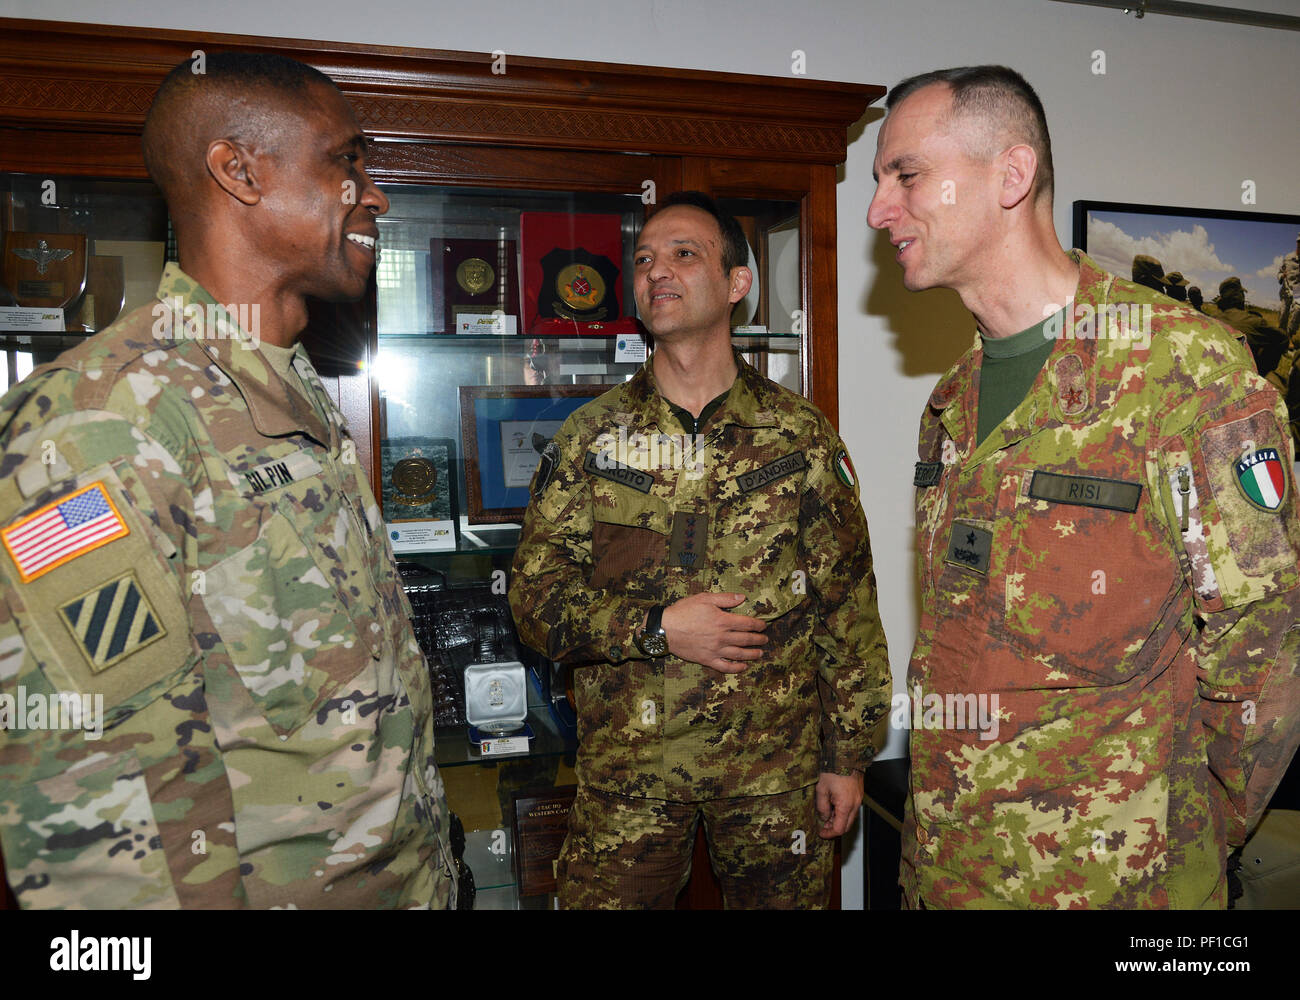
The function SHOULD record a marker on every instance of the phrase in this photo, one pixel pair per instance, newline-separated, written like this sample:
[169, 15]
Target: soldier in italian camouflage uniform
[1113, 566]
[758, 531]
[1288, 280]
[1149, 272]
[188, 535]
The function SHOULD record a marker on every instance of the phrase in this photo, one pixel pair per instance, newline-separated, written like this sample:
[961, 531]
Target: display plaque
[479, 278]
[419, 493]
[572, 273]
[541, 822]
[45, 270]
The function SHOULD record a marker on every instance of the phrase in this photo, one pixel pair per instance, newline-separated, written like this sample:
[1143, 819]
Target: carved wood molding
[102, 78]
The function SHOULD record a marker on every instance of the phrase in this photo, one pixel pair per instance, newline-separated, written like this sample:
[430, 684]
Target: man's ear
[233, 166]
[741, 280]
[1019, 168]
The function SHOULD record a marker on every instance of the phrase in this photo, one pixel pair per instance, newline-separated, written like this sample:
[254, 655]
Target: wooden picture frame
[497, 474]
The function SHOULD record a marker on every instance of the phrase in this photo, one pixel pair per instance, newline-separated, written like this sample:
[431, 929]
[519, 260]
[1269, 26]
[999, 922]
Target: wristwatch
[653, 640]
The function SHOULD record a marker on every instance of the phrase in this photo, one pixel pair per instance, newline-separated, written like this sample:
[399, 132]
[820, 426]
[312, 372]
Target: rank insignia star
[970, 538]
[1073, 398]
[42, 256]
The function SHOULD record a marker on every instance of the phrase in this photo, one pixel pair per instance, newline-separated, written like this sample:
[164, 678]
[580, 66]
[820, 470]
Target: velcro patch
[970, 547]
[784, 466]
[60, 531]
[927, 473]
[1262, 478]
[1086, 491]
[689, 541]
[281, 472]
[616, 472]
[111, 621]
[545, 469]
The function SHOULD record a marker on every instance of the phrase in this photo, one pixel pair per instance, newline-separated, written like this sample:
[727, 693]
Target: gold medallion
[475, 275]
[415, 481]
[580, 287]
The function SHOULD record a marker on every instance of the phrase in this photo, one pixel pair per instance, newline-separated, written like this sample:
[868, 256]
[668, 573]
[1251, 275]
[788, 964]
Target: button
[615, 652]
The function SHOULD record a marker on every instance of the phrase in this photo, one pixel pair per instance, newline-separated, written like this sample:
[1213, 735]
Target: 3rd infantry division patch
[111, 622]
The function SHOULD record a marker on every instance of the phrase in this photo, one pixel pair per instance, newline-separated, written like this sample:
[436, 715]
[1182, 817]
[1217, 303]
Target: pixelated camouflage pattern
[594, 556]
[1146, 675]
[275, 748]
[624, 853]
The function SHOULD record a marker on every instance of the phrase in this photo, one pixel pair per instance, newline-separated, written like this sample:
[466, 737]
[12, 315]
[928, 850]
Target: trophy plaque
[541, 822]
[480, 278]
[45, 270]
[572, 277]
[419, 493]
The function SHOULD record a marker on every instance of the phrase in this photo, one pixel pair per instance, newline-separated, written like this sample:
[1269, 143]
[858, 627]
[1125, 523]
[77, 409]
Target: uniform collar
[749, 402]
[276, 408]
[1065, 390]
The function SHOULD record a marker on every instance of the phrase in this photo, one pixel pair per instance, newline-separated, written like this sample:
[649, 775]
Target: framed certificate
[503, 431]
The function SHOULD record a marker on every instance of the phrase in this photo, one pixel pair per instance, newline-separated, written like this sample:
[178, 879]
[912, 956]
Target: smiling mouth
[366, 242]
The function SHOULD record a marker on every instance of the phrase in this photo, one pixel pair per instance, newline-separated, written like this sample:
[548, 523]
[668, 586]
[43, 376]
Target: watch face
[654, 645]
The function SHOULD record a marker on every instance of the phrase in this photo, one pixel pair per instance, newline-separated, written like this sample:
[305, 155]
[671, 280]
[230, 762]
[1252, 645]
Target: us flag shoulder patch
[62, 530]
[111, 621]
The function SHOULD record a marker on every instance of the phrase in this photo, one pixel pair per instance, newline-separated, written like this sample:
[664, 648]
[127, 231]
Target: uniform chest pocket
[629, 539]
[754, 548]
[1090, 579]
[295, 608]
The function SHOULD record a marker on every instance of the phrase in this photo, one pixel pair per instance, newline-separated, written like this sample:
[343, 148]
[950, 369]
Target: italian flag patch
[1262, 479]
[844, 469]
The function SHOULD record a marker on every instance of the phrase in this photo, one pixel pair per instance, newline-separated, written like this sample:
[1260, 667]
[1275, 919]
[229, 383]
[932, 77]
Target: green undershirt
[1010, 366]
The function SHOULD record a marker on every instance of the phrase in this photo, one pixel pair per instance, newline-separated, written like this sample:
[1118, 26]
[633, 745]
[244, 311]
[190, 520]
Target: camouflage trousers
[635, 853]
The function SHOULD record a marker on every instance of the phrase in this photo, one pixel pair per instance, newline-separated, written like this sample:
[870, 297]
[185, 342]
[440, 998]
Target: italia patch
[844, 469]
[111, 621]
[784, 466]
[62, 530]
[1262, 479]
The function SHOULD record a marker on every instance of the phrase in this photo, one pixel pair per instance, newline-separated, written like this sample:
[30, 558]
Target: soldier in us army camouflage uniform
[188, 535]
[1108, 560]
[763, 700]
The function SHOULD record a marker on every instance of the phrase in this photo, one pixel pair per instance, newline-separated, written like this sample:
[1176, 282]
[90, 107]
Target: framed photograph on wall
[503, 431]
[1194, 253]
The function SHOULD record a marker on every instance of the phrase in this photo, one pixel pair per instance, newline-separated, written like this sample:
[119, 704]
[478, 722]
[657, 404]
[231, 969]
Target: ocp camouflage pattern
[601, 545]
[1145, 672]
[274, 748]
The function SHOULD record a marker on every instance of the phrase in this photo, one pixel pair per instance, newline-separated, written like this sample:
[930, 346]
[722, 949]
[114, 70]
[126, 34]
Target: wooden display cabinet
[464, 142]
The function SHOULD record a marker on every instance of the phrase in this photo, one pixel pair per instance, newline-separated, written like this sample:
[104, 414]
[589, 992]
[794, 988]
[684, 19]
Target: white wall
[1185, 112]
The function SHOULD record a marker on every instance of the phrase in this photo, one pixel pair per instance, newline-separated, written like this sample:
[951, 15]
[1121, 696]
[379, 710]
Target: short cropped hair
[216, 88]
[1003, 101]
[735, 248]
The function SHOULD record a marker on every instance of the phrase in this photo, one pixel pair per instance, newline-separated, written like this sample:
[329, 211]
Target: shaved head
[240, 96]
[993, 109]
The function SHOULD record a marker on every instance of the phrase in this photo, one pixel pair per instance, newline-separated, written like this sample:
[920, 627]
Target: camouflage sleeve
[1231, 497]
[556, 610]
[853, 676]
[112, 791]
